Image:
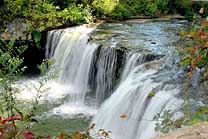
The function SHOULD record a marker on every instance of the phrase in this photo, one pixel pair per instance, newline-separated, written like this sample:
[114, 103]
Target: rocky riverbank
[198, 131]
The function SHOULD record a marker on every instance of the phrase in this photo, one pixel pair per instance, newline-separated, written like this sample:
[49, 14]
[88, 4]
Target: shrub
[78, 14]
[121, 11]
[104, 7]
[151, 10]
[162, 5]
[41, 14]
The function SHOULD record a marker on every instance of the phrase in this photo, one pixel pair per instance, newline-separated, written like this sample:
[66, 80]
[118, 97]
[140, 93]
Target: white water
[74, 57]
[106, 73]
[131, 99]
[133, 59]
[86, 68]
[80, 62]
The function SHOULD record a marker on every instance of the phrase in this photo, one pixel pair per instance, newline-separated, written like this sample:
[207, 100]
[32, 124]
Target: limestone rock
[198, 131]
[17, 30]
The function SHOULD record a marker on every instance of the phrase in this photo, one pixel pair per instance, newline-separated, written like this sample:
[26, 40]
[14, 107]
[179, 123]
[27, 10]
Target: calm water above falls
[122, 63]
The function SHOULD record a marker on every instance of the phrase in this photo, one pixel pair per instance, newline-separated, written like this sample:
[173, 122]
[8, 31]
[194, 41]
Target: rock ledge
[198, 131]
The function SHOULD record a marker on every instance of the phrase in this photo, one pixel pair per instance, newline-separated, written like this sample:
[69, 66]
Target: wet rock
[105, 35]
[150, 57]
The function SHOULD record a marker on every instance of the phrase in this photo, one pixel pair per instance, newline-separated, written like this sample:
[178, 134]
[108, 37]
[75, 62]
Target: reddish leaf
[45, 137]
[11, 118]
[198, 57]
[61, 136]
[201, 33]
[48, 137]
[27, 134]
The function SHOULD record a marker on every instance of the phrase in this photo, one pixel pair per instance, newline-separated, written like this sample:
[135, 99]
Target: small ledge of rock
[17, 30]
[198, 131]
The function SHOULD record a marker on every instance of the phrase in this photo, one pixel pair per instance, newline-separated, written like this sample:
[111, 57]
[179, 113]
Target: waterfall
[106, 73]
[84, 67]
[131, 98]
[96, 70]
[133, 59]
[74, 56]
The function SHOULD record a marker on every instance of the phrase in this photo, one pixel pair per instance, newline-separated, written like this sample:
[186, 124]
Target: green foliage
[162, 5]
[104, 7]
[10, 63]
[195, 53]
[42, 14]
[36, 37]
[165, 122]
[151, 94]
[62, 3]
[133, 7]
[151, 9]
[79, 14]
[121, 11]
[187, 8]
[124, 9]
[200, 115]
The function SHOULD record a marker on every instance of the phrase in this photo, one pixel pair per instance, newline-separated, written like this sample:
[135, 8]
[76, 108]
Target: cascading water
[145, 90]
[133, 59]
[132, 99]
[74, 57]
[79, 62]
[119, 61]
[106, 72]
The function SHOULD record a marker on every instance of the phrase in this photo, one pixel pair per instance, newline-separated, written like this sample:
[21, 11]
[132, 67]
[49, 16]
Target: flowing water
[108, 71]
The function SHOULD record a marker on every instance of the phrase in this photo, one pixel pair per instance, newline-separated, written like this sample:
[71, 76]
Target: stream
[108, 71]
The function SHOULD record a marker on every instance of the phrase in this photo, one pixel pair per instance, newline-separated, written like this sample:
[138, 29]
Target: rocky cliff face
[198, 131]
[19, 31]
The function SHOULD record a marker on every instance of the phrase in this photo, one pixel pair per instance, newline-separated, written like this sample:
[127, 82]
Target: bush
[41, 14]
[104, 7]
[124, 9]
[162, 5]
[121, 11]
[79, 14]
[151, 10]
[137, 6]
[185, 8]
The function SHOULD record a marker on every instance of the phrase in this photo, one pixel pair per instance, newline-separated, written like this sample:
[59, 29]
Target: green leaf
[36, 36]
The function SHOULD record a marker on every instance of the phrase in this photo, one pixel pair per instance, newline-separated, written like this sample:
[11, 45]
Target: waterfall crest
[133, 59]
